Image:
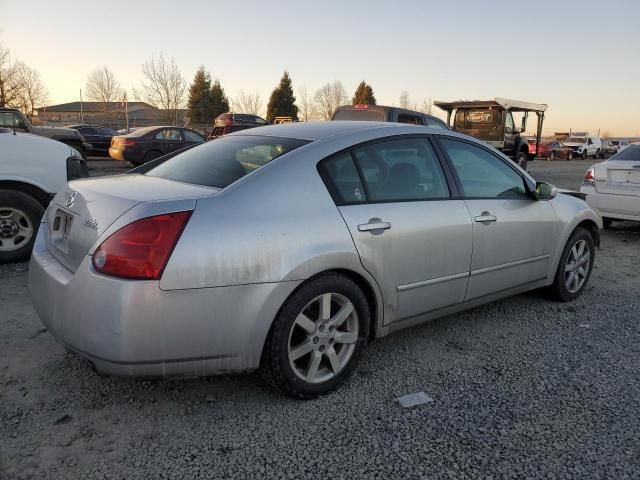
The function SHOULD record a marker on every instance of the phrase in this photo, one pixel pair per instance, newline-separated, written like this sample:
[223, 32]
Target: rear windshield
[360, 114]
[630, 153]
[221, 162]
[577, 140]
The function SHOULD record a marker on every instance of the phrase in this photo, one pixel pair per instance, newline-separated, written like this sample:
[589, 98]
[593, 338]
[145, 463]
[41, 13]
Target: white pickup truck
[585, 146]
[32, 170]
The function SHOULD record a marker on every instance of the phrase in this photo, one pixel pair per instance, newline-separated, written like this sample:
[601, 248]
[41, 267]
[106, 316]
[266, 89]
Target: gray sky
[582, 58]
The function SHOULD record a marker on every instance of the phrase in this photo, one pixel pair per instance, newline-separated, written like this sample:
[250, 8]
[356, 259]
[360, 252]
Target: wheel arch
[30, 189]
[591, 227]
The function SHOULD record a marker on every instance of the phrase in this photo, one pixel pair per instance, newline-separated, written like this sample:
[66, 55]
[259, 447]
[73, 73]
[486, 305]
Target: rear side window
[433, 123]
[363, 114]
[342, 179]
[225, 160]
[405, 169]
[410, 119]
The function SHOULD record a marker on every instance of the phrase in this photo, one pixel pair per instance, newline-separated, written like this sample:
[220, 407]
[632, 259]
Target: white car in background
[585, 146]
[613, 186]
[32, 170]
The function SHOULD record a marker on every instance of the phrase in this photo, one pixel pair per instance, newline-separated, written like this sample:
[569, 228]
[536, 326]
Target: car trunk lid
[619, 178]
[84, 210]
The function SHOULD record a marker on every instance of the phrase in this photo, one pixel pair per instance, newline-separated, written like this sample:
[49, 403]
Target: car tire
[597, 155]
[521, 160]
[606, 222]
[20, 216]
[570, 156]
[310, 353]
[570, 282]
[584, 154]
[149, 156]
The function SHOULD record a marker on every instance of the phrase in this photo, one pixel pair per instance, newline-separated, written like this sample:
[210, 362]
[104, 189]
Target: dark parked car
[380, 113]
[234, 122]
[98, 136]
[149, 143]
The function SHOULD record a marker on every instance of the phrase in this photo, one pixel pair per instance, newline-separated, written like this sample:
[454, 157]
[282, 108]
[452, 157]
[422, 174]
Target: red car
[553, 150]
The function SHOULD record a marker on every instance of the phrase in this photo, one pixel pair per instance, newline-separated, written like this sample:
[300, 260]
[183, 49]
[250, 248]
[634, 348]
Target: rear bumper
[116, 154]
[133, 328]
[622, 207]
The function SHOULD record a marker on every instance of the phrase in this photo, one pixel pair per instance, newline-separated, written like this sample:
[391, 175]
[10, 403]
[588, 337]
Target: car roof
[314, 131]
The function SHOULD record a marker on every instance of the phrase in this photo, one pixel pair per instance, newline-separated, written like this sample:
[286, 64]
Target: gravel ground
[522, 388]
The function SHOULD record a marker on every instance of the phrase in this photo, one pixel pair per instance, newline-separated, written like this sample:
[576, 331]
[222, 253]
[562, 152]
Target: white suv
[585, 146]
[32, 170]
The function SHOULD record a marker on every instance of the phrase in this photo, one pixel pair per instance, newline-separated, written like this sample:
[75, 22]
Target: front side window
[405, 169]
[482, 174]
[192, 136]
[341, 177]
[508, 122]
[10, 120]
[227, 159]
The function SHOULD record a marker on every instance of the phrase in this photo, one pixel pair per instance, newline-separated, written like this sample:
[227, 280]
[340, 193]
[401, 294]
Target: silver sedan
[287, 248]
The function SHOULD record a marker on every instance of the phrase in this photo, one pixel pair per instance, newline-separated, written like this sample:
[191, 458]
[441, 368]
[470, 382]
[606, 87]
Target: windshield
[360, 114]
[631, 153]
[577, 140]
[221, 162]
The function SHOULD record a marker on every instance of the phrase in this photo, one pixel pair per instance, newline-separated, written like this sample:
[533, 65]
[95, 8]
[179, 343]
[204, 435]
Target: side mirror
[545, 191]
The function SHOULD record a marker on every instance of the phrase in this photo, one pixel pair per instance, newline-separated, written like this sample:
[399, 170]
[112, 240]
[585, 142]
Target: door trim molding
[433, 281]
[510, 264]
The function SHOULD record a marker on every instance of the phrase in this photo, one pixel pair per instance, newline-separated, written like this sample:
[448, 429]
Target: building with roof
[110, 113]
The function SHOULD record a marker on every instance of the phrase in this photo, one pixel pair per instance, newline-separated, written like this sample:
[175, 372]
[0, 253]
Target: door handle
[367, 227]
[485, 217]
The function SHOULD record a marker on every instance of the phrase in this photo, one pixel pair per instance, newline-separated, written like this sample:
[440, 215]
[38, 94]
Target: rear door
[412, 233]
[513, 234]
[192, 138]
[169, 140]
[510, 136]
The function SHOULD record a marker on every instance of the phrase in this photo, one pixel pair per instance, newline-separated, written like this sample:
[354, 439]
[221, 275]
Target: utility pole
[81, 112]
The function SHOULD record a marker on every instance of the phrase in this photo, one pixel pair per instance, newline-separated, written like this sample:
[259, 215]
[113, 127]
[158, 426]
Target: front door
[513, 234]
[411, 235]
[510, 137]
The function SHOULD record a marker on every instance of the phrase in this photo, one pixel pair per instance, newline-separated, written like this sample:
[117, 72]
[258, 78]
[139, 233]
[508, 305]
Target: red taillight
[589, 178]
[141, 249]
[127, 142]
[229, 121]
[361, 105]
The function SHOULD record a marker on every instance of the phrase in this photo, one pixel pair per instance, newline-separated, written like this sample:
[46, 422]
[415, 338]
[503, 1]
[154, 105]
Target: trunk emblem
[72, 198]
[91, 223]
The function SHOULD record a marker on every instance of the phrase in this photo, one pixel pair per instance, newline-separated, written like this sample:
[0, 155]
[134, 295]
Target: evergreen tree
[363, 95]
[219, 101]
[199, 102]
[282, 102]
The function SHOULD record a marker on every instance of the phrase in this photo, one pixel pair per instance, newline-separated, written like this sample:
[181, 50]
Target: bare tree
[329, 97]
[426, 106]
[405, 101]
[32, 91]
[306, 110]
[8, 78]
[102, 87]
[245, 102]
[163, 86]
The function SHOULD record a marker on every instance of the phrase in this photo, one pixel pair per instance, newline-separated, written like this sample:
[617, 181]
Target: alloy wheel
[16, 229]
[323, 338]
[577, 266]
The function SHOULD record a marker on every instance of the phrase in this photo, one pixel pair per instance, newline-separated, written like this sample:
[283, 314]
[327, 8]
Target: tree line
[164, 87]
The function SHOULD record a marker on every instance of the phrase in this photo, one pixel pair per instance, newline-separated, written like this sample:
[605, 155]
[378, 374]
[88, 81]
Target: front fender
[571, 212]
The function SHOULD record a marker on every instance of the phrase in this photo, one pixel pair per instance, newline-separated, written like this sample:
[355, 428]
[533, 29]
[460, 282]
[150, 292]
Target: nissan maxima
[288, 248]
